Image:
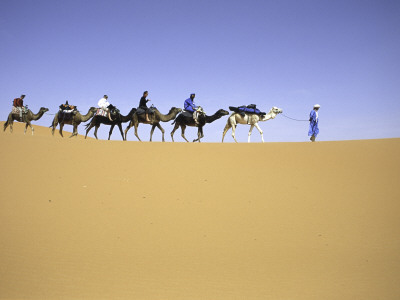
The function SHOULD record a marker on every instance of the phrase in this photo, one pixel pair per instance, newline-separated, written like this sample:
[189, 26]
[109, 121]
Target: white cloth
[103, 103]
[316, 115]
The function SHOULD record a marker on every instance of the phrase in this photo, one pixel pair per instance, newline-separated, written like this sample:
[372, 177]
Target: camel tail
[88, 124]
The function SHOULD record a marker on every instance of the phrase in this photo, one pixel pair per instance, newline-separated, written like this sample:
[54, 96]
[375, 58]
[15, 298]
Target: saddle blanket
[65, 115]
[17, 111]
[101, 112]
[246, 109]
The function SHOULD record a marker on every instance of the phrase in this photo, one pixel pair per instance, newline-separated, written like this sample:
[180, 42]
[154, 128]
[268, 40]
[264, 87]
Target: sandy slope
[87, 219]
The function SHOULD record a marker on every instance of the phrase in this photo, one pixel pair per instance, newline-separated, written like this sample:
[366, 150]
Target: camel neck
[165, 118]
[38, 115]
[210, 119]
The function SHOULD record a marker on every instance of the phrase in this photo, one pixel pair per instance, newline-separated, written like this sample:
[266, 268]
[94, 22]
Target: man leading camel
[314, 130]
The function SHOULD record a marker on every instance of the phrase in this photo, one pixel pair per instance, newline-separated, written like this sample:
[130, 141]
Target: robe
[313, 129]
[189, 105]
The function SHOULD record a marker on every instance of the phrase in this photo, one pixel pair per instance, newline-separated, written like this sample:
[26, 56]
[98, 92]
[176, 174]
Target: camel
[28, 117]
[249, 119]
[75, 121]
[158, 117]
[118, 119]
[183, 121]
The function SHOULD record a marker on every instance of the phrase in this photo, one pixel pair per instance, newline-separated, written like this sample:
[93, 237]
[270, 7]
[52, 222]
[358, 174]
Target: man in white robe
[104, 104]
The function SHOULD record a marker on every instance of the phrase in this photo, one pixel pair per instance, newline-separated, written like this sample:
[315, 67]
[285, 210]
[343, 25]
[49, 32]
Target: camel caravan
[107, 114]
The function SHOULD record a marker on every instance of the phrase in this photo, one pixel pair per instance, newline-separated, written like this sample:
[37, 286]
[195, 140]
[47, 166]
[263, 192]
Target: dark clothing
[18, 102]
[67, 107]
[143, 103]
[143, 106]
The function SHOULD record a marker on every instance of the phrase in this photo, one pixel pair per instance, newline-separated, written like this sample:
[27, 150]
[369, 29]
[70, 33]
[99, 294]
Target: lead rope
[294, 119]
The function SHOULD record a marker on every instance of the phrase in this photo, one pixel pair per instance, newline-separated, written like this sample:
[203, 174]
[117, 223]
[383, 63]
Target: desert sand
[88, 219]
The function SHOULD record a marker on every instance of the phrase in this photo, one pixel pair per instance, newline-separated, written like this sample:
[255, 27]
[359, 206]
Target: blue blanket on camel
[251, 109]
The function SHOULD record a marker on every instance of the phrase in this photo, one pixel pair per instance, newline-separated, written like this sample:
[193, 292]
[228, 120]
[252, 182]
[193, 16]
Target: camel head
[175, 110]
[44, 109]
[93, 109]
[222, 112]
[274, 111]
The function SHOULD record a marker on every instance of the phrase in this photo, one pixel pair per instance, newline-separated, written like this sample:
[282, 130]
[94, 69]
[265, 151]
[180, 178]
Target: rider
[104, 104]
[18, 103]
[67, 108]
[143, 105]
[193, 108]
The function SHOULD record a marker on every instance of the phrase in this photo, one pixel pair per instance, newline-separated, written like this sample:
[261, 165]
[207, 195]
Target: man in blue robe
[189, 104]
[191, 107]
[313, 130]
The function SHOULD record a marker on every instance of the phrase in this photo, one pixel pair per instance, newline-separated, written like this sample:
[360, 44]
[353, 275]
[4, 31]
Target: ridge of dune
[87, 219]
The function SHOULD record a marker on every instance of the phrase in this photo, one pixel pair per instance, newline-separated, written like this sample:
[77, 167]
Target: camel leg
[199, 134]
[161, 129]
[227, 127]
[74, 130]
[183, 127]
[251, 129]
[11, 126]
[233, 132]
[61, 129]
[259, 130]
[8, 123]
[26, 127]
[173, 131]
[120, 130]
[55, 123]
[95, 131]
[53, 129]
[111, 130]
[152, 131]
[136, 133]
[127, 128]
[202, 134]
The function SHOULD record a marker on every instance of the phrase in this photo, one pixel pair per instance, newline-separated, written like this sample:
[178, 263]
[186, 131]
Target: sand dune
[87, 219]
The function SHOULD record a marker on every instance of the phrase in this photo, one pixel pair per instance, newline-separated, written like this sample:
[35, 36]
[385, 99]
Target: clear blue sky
[292, 54]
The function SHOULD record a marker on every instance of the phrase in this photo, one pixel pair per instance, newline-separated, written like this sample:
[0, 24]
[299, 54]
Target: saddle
[149, 110]
[67, 112]
[187, 114]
